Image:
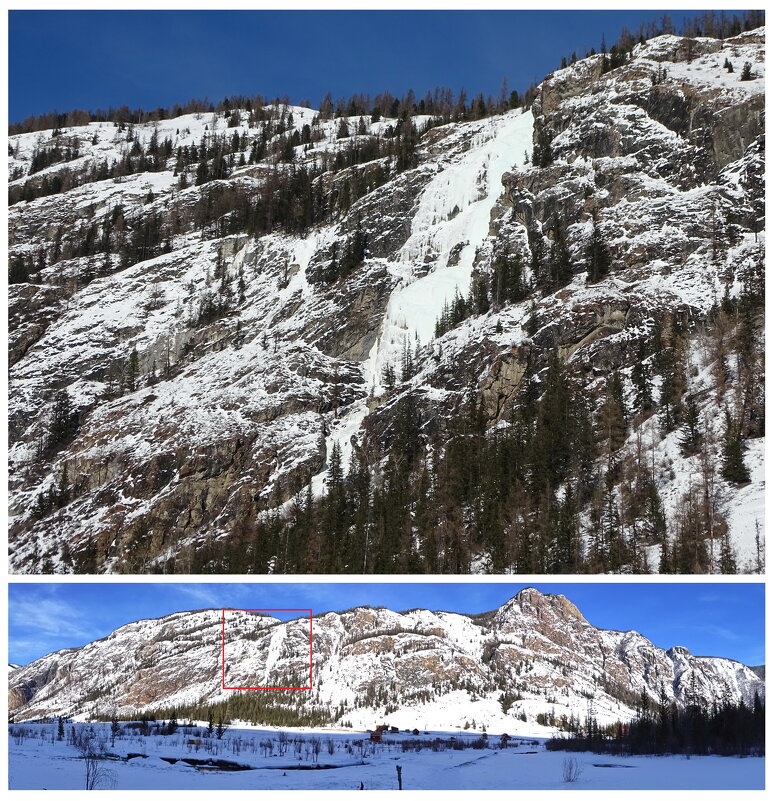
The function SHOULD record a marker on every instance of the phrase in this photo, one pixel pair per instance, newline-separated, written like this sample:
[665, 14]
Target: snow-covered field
[277, 760]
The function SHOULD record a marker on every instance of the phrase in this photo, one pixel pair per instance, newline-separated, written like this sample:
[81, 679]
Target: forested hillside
[448, 334]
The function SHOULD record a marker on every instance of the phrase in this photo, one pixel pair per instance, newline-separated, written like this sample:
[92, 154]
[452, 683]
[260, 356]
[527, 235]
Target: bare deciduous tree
[91, 751]
[571, 770]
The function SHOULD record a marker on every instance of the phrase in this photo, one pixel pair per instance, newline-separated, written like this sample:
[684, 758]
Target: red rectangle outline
[223, 649]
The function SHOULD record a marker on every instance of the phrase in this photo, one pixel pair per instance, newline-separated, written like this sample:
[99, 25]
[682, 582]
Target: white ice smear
[454, 209]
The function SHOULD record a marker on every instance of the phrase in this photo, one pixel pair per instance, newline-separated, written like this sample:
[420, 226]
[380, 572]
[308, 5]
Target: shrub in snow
[571, 770]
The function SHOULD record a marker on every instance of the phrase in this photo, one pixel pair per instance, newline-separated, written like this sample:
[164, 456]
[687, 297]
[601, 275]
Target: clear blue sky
[713, 619]
[60, 60]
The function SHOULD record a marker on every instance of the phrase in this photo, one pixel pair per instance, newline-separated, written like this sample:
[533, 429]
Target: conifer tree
[613, 415]
[560, 265]
[551, 442]
[478, 299]
[287, 150]
[568, 550]
[654, 523]
[64, 420]
[539, 265]
[408, 367]
[727, 563]
[335, 472]
[691, 437]
[202, 173]
[507, 284]
[691, 547]
[133, 370]
[343, 131]
[389, 375]
[641, 380]
[597, 256]
[542, 147]
[733, 467]
[671, 369]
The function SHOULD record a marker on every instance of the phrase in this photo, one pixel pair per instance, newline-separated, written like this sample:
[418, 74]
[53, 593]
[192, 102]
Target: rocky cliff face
[212, 380]
[438, 667]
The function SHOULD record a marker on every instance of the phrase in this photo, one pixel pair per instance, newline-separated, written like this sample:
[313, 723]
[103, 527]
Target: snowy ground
[347, 759]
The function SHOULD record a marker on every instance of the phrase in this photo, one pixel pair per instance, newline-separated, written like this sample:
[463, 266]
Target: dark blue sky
[60, 60]
[717, 619]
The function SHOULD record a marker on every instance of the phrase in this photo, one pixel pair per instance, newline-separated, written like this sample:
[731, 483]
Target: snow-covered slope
[213, 376]
[534, 659]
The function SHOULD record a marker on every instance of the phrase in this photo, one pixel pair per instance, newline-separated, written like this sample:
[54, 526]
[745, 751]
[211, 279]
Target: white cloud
[49, 616]
[40, 622]
[201, 593]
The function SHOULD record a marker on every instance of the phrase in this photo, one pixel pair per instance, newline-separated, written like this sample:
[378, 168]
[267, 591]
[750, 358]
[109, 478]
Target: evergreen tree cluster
[452, 314]
[124, 116]
[213, 159]
[725, 729]
[63, 423]
[551, 267]
[514, 493]
[441, 102]
[291, 198]
[713, 24]
[437, 497]
[66, 150]
[268, 708]
[508, 284]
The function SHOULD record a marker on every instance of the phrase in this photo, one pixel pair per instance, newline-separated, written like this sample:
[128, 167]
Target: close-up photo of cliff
[390, 334]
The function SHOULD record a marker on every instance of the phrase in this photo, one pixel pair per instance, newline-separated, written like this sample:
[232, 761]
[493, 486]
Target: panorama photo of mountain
[507, 696]
[511, 331]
